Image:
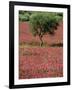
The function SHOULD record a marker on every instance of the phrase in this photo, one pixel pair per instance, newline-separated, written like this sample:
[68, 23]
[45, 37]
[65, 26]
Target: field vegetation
[40, 44]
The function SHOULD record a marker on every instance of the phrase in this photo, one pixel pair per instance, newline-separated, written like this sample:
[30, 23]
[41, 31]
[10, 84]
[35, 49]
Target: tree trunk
[41, 43]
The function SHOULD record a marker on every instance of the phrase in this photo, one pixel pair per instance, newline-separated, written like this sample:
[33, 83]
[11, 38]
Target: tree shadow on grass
[37, 44]
[56, 45]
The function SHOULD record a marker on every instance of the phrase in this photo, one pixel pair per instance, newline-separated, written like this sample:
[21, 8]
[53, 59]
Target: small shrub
[24, 17]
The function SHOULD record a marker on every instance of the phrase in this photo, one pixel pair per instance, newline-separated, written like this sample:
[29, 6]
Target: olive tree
[43, 23]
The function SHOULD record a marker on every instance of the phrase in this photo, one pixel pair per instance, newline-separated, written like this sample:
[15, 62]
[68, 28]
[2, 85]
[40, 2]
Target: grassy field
[36, 61]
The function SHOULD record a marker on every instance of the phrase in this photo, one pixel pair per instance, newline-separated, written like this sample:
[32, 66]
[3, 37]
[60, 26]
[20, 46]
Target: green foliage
[24, 17]
[60, 14]
[21, 12]
[27, 14]
[42, 23]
